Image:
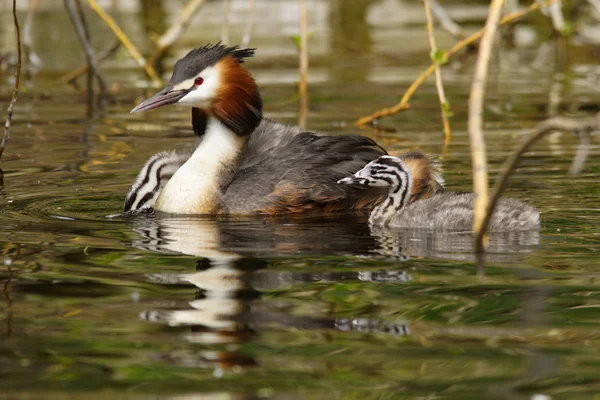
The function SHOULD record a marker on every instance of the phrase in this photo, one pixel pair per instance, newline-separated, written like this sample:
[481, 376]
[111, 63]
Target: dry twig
[303, 85]
[174, 32]
[582, 127]
[403, 104]
[225, 27]
[558, 20]
[30, 56]
[476, 98]
[103, 55]
[15, 93]
[91, 71]
[445, 21]
[444, 105]
[82, 35]
[249, 25]
[110, 22]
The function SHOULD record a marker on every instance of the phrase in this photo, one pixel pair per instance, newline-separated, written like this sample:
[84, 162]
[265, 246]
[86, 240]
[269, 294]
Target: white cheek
[204, 94]
[194, 98]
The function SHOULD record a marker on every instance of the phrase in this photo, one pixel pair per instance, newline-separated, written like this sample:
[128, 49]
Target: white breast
[194, 188]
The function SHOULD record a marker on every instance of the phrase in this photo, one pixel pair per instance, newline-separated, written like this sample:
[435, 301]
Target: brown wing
[301, 174]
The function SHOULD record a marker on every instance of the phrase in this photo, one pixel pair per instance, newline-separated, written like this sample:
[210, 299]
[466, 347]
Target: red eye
[198, 81]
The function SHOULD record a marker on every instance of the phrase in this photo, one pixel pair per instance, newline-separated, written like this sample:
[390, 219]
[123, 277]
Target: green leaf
[296, 39]
[446, 109]
[567, 30]
[438, 57]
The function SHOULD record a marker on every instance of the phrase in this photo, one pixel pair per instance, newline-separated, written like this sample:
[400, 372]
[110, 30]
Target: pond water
[319, 307]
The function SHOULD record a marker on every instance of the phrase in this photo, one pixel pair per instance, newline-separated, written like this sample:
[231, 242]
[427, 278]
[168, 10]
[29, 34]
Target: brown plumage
[237, 100]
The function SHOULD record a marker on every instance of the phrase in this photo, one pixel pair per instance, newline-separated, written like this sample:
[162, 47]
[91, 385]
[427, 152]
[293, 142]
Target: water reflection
[458, 246]
[348, 235]
[229, 308]
[232, 276]
[293, 295]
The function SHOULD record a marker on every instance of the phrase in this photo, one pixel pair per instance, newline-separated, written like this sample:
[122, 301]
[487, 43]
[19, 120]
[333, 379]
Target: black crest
[198, 59]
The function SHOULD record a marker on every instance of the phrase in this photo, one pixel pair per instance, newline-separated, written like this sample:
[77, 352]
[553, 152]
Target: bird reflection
[229, 307]
[231, 275]
[330, 235]
[453, 245]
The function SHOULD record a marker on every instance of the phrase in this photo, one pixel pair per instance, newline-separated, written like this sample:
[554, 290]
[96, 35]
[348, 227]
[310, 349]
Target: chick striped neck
[151, 179]
[398, 176]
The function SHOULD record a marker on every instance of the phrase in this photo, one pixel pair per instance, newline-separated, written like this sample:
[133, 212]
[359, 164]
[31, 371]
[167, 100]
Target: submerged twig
[445, 21]
[167, 39]
[478, 151]
[85, 44]
[15, 93]
[444, 105]
[582, 127]
[124, 39]
[403, 104]
[303, 85]
[103, 55]
[249, 25]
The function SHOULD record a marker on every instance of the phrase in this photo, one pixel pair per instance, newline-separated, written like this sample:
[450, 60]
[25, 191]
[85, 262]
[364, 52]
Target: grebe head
[423, 171]
[386, 171]
[212, 80]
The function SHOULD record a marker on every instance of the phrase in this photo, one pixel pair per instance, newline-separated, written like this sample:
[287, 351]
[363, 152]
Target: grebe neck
[399, 195]
[197, 186]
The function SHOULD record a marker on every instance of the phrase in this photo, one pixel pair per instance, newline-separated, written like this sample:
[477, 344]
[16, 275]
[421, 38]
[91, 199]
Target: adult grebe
[245, 164]
[449, 211]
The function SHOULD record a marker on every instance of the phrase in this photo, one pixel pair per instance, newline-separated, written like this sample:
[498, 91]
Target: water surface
[316, 307]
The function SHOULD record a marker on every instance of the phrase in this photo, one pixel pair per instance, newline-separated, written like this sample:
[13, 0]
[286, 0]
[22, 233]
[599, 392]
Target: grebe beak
[162, 98]
[354, 181]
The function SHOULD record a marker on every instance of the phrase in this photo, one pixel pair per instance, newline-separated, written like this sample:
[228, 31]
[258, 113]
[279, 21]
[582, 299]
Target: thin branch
[595, 4]
[225, 27]
[403, 104]
[110, 22]
[30, 56]
[583, 150]
[91, 71]
[89, 54]
[583, 127]
[167, 39]
[445, 21]
[82, 70]
[558, 20]
[15, 93]
[249, 25]
[444, 105]
[476, 98]
[303, 85]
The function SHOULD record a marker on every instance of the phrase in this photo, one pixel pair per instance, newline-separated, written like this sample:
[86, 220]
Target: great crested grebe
[246, 164]
[445, 211]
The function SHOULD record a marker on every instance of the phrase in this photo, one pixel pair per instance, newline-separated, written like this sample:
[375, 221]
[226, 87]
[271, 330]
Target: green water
[295, 308]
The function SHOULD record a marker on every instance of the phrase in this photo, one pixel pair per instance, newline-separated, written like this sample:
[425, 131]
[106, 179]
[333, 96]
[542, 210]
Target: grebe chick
[246, 164]
[444, 211]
